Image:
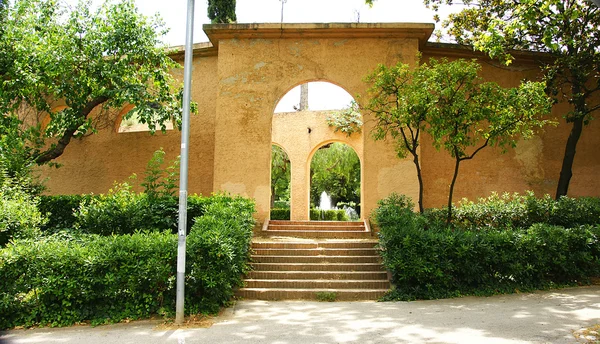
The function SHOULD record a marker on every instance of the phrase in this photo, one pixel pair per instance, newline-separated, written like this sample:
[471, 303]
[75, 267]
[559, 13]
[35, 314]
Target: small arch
[340, 177]
[132, 125]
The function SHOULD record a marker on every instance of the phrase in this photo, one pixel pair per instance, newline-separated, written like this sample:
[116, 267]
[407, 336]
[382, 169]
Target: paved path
[545, 317]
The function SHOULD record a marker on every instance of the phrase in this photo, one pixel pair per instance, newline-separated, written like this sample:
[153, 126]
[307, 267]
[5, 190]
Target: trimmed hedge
[280, 214]
[120, 213]
[328, 215]
[315, 215]
[60, 211]
[64, 280]
[519, 211]
[428, 260]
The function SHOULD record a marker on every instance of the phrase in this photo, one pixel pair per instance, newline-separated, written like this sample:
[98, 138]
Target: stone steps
[315, 252]
[306, 263]
[318, 267]
[317, 275]
[317, 229]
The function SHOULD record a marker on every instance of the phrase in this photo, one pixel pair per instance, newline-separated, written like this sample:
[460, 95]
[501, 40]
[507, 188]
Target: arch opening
[335, 182]
[301, 124]
[280, 183]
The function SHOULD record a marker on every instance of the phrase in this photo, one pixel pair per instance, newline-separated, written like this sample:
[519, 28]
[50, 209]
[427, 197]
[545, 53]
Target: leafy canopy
[92, 61]
[400, 107]
[567, 31]
[448, 100]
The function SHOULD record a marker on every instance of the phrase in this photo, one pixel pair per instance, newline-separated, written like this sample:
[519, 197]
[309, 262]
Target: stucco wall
[534, 165]
[94, 163]
[238, 82]
[255, 73]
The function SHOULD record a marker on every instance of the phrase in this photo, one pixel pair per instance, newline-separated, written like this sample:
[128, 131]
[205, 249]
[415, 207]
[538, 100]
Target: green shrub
[60, 211]
[328, 215]
[315, 215]
[281, 205]
[519, 211]
[63, 280]
[161, 212]
[19, 214]
[280, 214]
[220, 242]
[428, 260]
[121, 211]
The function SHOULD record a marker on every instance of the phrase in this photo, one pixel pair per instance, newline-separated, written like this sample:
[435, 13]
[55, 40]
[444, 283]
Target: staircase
[311, 260]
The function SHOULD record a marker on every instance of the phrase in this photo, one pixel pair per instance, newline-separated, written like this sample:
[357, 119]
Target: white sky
[174, 12]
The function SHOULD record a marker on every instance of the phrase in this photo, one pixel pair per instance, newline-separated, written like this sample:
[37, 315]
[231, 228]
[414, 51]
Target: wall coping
[217, 32]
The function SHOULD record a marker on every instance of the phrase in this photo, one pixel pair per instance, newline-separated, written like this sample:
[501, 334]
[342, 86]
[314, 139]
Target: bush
[60, 281]
[60, 211]
[121, 211]
[428, 260]
[280, 214]
[315, 215]
[328, 215]
[19, 214]
[519, 211]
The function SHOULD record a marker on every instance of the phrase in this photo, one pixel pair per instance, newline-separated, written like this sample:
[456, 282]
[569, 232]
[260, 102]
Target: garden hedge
[65, 279]
[315, 214]
[428, 260]
[123, 212]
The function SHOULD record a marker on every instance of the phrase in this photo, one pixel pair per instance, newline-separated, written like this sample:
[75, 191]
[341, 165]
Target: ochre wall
[254, 73]
[94, 163]
[535, 163]
[239, 80]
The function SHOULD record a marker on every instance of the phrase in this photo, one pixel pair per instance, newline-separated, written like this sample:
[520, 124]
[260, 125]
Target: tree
[221, 11]
[335, 169]
[280, 174]
[93, 61]
[400, 107]
[464, 114]
[568, 31]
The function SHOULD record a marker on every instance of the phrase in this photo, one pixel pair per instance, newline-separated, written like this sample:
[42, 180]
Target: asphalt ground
[557, 316]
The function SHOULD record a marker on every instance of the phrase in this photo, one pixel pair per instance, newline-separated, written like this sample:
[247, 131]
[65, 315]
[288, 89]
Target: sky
[174, 12]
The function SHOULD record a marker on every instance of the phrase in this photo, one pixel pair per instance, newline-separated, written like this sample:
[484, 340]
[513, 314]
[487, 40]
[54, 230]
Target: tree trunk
[451, 193]
[566, 171]
[57, 150]
[420, 178]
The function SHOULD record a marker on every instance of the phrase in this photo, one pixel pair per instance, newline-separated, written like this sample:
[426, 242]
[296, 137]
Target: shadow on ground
[545, 317]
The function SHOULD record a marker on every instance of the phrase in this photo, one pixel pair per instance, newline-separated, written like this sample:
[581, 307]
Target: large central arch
[269, 61]
[301, 134]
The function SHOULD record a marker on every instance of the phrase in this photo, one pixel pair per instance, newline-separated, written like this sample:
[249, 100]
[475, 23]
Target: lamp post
[183, 171]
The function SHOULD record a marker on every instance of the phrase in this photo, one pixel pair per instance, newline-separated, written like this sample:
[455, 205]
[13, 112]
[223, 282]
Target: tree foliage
[335, 169]
[95, 61]
[462, 113]
[400, 106]
[221, 11]
[347, 120]
[568, 31]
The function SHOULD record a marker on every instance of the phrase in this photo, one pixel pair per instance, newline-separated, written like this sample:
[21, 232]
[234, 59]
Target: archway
[280, 183]
[301, 124]
[335, 183]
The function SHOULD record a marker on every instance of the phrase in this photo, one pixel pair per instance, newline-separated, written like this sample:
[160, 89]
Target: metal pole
[183, 172]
